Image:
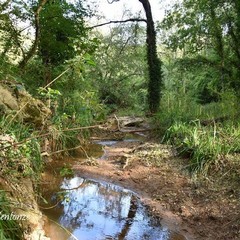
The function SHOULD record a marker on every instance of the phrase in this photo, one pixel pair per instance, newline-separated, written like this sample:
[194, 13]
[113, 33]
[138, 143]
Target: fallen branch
[80, 128]
[46, 134]
[118, 123]
[57, 78]
[70, 149]
[51, 207]
[75, 188]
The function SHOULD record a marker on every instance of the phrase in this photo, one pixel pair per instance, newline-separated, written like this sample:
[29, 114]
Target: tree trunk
[154, 64]
[219, 43]
[33, 49]
[234, 33]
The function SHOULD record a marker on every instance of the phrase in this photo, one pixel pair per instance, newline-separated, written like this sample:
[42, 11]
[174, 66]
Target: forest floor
[198, 208]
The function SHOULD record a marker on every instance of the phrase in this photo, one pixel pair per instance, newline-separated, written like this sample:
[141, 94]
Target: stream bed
[89, 209]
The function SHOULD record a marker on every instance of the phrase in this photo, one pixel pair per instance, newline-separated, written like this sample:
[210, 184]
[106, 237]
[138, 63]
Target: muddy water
[88, 209]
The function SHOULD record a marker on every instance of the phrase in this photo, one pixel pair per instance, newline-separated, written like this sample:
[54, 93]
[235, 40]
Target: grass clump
[9, 229]
[204, 145]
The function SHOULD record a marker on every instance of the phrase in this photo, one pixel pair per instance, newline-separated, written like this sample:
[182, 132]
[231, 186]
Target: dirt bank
[21, 159]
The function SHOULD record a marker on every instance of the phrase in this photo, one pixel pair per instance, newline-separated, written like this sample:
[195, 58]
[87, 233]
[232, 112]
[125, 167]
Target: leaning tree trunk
[154, 64]
[34, 46]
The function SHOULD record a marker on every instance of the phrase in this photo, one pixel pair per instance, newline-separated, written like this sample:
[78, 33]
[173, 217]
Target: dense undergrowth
[24, 146]
[18, 161]
[83, 76]
[204, 134]
[204, 145]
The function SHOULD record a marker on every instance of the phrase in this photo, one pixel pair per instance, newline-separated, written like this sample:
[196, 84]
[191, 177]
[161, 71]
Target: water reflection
[94, 210]
[106, 142]
[113, 142]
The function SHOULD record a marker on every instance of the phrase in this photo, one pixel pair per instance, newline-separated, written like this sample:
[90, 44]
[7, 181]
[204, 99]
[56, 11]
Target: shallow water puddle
[93, 210]
[109, 143]
[106, 142]
[113, 142]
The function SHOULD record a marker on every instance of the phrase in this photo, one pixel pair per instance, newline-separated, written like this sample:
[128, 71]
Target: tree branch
[4, 5]
[45, 135]
[112, 1]
[120, 21]
[33, 49]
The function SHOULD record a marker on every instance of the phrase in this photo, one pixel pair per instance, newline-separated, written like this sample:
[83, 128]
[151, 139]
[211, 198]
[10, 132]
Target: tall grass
[204, 145]
[9, 229]
[203, 133]
[61, 140]
[184, 108]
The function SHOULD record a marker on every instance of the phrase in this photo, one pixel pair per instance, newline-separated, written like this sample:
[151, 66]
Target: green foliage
[60, 23]
[181, 106]
[66, 171]
[79, 100]
[12, 36]
[186, 108]
[201, 78]
[8, 71]
[48, 93]
[24, 159]
[204, 145]
[9, 229]
[120, 71]
[210, 29]
[32, 151]
[193, 90]
[72, 94]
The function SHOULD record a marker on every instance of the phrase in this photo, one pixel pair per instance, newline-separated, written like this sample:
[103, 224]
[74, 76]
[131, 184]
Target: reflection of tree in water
[96, 199]
[129, 221]
[93, 210]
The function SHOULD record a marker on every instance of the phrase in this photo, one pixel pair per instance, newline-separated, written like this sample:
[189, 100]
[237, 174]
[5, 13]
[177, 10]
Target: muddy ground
[198, 209]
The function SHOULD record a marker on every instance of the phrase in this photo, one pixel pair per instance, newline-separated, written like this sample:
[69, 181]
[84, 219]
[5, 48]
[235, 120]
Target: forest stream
[90, 205]
[123, 184]
[119, 120]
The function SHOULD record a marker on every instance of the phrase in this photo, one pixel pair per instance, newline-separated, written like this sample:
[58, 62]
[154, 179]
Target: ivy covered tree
[154, 63]
[155, 76]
